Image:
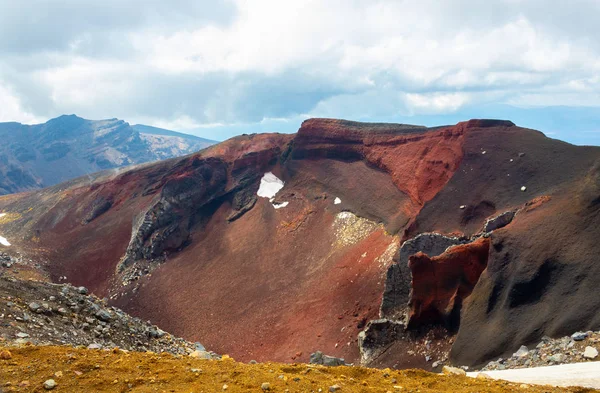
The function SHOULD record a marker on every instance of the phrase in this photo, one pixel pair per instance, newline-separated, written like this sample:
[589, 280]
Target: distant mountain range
[41, 155]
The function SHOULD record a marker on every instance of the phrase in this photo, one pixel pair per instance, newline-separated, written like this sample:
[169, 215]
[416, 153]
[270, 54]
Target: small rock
[5, 355]
[22, 335]
[522, 352]
[435, 364]
[557, 358]
[462, 206]
[82, 290]
[448, 370]
[34, 307]
[103, 315]
[265, 386]
[483, 376]
[579, 336]
[334, 388]
[523, 188]
[49, 384]
[590, 353]
[225, 387]
[94, 346]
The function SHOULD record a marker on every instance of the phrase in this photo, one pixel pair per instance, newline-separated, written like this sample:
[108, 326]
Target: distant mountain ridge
[41, 155]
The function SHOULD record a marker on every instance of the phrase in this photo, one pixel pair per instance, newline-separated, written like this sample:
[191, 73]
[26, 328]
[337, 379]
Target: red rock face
[419, 161]
[442, 283]
[272, 283]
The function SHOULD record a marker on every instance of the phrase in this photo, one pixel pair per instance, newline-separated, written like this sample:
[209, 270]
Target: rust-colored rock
[222, 266]
[440, 284]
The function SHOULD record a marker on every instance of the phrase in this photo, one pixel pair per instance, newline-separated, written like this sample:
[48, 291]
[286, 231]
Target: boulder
[325, 360]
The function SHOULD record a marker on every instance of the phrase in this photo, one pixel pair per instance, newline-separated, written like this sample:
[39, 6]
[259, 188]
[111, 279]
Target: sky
[220, 68]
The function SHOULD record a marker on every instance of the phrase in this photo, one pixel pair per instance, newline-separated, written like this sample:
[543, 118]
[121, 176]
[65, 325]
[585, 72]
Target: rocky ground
[579, 347]
[44, 314]
[67, 369]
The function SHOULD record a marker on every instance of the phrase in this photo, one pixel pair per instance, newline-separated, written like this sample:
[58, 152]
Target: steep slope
[273, 246]
[42, 155]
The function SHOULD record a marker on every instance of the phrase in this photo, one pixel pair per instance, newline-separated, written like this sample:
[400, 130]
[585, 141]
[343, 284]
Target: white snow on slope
[576, 374]
[280, 205]
[269, 185]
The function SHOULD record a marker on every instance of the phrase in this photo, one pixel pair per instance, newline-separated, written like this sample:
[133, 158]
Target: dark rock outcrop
[398, 279]
[99, 206]
[378, 335]
[499, 221]
[166, 224]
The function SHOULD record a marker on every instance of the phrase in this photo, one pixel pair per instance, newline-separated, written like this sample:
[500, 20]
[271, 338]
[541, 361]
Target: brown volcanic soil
[542, 277]
[250, 296]
[279, 284]
[81, 370]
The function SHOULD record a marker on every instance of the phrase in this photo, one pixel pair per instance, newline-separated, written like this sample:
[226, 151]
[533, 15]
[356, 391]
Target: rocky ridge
[61, 314]
[64, 148]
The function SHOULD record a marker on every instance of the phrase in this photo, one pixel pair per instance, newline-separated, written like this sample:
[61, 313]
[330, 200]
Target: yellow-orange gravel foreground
[25, 369]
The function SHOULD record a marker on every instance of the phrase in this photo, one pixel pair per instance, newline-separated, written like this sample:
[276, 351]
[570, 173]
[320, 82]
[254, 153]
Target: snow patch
[4, 242]
[269, 186]
[337, 201]
[280, 205]
[575, 374]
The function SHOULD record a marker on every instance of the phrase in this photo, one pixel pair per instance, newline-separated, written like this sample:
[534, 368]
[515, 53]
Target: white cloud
[436, 102]
[240, 61]
[12, 109]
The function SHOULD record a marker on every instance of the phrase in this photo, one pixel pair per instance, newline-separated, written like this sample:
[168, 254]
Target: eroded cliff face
[419, 161]
[440, 284]
[189, 244]
[399, 277]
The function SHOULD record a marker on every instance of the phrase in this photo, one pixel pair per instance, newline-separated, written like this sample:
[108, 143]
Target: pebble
[590, 353]
[82, 290]
[22, 335]
[334, 388]
[265, 386]
[579, 336]
[50, 384]
[5, 355]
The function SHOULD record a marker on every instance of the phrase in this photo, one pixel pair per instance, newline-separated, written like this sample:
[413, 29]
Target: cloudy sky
[218, 68]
